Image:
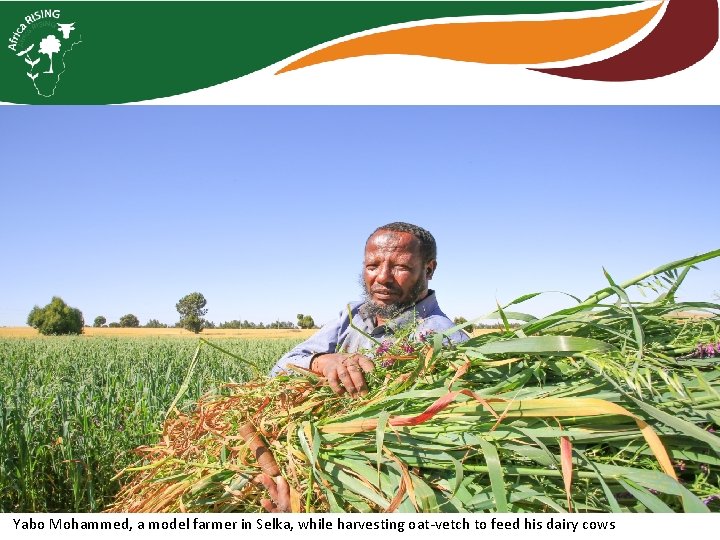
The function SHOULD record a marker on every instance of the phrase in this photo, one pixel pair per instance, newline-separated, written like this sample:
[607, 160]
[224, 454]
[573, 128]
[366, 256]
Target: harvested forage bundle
[598, 407]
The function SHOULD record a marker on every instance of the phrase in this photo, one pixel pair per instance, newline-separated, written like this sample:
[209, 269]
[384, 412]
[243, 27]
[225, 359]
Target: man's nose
[384, 274]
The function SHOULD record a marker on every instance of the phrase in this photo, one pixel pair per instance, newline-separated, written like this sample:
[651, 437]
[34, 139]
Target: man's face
[394, 273]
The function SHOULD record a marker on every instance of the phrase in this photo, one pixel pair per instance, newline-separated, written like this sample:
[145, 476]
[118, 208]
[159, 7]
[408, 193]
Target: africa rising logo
[44, 40]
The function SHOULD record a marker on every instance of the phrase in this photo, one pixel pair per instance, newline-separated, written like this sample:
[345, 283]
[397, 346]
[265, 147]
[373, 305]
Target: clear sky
[265, 210]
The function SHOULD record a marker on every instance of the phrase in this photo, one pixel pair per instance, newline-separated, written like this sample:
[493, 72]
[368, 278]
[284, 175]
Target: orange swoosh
[511, 42]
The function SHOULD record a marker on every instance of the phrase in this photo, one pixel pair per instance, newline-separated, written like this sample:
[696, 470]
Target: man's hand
[344, 372]
[279, 491]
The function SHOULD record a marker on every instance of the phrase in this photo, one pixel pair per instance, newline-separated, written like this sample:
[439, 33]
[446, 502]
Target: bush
[462, 320]
[154, 323]
[305, 321]
[56, 318]
[129, 321]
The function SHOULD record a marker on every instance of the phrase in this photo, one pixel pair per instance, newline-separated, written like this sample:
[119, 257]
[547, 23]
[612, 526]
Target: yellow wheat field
[289, 333]
[267, 333]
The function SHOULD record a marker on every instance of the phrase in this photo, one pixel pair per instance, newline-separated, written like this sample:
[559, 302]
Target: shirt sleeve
[324, 340]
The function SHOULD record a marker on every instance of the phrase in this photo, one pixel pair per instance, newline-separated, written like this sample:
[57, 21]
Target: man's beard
[390, 311]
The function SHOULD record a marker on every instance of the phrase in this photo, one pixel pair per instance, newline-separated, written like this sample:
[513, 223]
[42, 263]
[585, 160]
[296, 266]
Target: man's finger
[269, 484]
[366, 364]
[333, 380]
[279, 491]
[363, 361]
[282, 501]
[358, 380]
[268, 505]
[346, 379]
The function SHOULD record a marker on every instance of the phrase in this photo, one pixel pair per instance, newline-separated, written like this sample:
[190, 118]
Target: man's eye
[370, 268]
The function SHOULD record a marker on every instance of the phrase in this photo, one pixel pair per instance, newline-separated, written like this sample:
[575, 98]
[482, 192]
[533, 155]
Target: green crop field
[72, 409]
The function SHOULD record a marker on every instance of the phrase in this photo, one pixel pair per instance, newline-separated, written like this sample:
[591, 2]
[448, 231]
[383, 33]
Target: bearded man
[400, 259]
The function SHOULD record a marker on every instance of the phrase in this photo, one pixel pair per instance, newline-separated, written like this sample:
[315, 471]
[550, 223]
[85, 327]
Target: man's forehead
[393, 241]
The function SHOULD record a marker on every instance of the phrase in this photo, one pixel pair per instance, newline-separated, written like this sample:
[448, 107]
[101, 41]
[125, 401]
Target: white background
[657, 526]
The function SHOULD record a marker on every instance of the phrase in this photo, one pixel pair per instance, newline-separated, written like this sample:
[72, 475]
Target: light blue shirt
[339, 336]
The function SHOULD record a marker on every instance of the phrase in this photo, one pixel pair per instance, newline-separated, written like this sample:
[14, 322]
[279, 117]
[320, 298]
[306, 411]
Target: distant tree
[463, 320]
[278, 325]
[495, 326]
[154, 323]
[114, 325]
[56, 318]
[305, 321]
[237, 324]
[129, 321]
[191, 308]
[284, 324]
[230, 325]
[99, 321]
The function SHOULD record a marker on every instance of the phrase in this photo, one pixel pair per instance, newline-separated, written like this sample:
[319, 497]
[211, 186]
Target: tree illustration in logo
[50, 45]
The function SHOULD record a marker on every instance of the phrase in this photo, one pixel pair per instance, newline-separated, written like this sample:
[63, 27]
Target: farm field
[27, 331]
[72, 408]
[284, 333]
[602, 407]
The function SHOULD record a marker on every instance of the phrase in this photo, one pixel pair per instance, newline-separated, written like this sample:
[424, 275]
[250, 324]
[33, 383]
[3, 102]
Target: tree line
[57, 318]
[473, 326]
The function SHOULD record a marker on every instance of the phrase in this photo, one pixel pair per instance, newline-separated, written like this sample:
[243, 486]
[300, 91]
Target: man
[400, 259]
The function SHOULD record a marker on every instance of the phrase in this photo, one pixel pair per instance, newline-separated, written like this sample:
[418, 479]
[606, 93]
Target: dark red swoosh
[685, 35]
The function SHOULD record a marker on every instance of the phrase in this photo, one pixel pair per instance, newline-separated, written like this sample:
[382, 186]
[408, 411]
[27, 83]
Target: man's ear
[430, 269]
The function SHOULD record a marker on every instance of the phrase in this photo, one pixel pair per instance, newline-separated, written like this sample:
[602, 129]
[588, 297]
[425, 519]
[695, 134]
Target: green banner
[120, 52]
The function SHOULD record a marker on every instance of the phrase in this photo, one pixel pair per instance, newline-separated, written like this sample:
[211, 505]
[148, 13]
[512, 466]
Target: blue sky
[265, 210]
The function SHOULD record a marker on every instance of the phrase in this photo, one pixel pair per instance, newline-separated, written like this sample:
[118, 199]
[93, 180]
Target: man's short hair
[428, 248]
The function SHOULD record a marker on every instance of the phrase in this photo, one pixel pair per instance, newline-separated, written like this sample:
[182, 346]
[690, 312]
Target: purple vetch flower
[709, 350]
[680, 465]
[704, 468]
[388, 362]
[424, 336]
[711, 498]
[408, 349]
[711, 429]
[384, 347]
